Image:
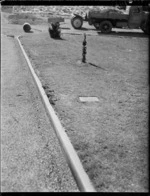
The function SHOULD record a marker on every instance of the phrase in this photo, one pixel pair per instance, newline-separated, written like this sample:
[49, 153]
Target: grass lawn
[110, 136]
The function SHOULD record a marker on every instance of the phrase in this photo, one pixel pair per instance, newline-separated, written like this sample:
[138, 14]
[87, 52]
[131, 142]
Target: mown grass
[110, 136]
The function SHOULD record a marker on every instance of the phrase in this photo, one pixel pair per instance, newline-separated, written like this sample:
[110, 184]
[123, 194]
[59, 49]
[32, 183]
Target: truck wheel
[105, 26]
[145, 28]
[97, 26]
[77, 22]
[146, 31]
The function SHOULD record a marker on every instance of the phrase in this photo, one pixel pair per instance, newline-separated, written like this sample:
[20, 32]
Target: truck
[134, 17]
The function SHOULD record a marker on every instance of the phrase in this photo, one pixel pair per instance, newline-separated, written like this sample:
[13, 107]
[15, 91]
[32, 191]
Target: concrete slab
[88, 99]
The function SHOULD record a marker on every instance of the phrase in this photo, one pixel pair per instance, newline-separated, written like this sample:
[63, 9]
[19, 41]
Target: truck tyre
[106, 26]
[77, 22]
[145, 27]
[97, 26]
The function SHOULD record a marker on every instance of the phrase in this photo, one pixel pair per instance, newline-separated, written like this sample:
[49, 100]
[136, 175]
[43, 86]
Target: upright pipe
[84, 50]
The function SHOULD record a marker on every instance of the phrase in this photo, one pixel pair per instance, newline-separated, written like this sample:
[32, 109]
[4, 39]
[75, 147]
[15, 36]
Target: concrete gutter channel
[83, 182]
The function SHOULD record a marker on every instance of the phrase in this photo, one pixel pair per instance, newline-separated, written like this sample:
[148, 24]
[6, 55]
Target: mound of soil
[25, 17]
[7, 9]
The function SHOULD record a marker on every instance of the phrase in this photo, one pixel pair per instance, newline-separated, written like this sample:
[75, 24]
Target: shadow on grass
[65, 28]
[96, 65]
[58, 38]
[125, 34]
[29, 32]
[84, 29]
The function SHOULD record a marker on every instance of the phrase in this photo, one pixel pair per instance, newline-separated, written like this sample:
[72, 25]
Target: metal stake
[84, 50]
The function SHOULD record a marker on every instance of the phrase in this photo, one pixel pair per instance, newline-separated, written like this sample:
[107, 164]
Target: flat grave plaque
[88, 99]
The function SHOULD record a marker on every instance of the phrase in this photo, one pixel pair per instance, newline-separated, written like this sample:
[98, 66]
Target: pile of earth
[21, 18]
[61, 10]
[39, 14]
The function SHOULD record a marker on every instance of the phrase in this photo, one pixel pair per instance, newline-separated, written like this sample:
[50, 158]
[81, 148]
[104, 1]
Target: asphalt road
[31, 158]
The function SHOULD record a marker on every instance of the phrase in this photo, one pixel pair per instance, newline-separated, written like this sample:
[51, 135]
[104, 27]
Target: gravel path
[31, 156]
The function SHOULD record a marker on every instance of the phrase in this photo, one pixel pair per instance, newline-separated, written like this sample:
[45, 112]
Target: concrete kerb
[83, 182]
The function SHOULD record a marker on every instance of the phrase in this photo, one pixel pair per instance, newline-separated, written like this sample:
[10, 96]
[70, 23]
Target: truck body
[134, 17]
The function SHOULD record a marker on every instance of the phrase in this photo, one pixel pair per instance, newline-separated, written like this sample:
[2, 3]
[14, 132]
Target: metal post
[84, 50]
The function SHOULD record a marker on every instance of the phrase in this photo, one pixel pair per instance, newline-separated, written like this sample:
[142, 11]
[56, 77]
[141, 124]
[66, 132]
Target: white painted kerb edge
[81, 178]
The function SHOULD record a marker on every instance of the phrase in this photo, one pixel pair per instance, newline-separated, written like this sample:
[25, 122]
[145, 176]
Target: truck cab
[136, 15]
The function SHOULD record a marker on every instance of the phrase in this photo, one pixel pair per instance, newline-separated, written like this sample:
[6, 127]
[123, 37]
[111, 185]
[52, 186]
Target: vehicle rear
[107, 19]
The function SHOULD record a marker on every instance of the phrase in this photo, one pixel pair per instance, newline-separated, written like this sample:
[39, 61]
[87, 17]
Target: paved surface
[66, 28]
[31, 158]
